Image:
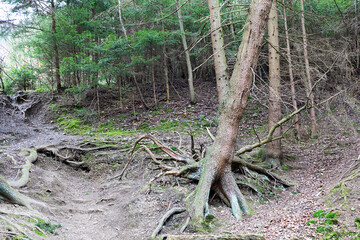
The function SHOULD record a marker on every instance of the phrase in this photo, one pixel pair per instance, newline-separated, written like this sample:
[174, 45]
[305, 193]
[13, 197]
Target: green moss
[46, 227]
[73, 125]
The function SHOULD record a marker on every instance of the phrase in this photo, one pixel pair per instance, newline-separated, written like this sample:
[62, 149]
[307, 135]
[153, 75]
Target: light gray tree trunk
[217, 41]
[187, 57]
[291, 75]
[308, 75]
[274, 152]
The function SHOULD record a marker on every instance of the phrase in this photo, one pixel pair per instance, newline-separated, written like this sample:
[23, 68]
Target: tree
[291, 75]
[56, 51]
[187, 56]
[307, 70]
[216, 171]
[274, 152]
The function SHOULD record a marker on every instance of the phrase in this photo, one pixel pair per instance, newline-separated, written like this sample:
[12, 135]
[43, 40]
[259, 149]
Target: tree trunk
[56, 51]
[166, 70]
[153, 82]
[120, 93]
[121, 21]
[216, 171]
[307, 70]
[222, 76]
[187, 56]
[274, 153]
[357, 36]
[291, 75]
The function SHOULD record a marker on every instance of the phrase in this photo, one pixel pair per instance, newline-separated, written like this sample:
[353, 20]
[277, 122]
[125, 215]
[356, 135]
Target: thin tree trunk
[166, 70]
[1, 78]
[307, 70]
[153, 82]
[216, 172]
[274, 153]
[140, 94]
[291, 75]
[98, 98]
[56, 51]
[120, 94]
[357, 35]
[222, 76]
[121, 21]
[187, 57]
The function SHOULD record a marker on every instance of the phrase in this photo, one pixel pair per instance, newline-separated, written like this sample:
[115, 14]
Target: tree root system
[181, 164]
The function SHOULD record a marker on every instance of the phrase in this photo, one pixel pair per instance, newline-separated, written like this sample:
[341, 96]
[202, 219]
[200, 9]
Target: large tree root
[13, 196]
[185, 166]
[165, 218]
[72, 155]
[30, 157]
[225, 186]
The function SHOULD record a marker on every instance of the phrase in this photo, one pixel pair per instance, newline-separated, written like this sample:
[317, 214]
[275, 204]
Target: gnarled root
[165, 218]
[30, 157]
[71, 155]
[11, 195]
[222, 181]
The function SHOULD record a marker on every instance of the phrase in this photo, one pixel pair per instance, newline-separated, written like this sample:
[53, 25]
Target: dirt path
[86, 207]
[95, 207]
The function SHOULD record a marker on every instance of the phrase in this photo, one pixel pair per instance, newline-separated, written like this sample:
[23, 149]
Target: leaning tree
[233, 95]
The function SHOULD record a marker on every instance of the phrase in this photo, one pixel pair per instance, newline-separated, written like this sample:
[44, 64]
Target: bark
[166, 71]
[153, 83]
[356, 34]
[216, 171]
[222, 76]
[187, 57]
[291, 75]
[121, 21]
[56, 51]
[274, 148]
[308, 75]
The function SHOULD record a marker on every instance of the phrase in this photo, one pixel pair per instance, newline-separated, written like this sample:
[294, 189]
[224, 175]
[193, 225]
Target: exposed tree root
[216, 237]
[30, 157]
[13, 196]
[21, 225]
[72, 155]
[225, 186]
[186, 167]
[165, 218]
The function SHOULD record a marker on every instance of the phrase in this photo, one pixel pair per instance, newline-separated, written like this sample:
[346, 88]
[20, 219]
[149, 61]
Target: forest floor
[90, 204]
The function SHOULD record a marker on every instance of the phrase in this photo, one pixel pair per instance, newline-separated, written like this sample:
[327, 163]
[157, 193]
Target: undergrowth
[329, 225]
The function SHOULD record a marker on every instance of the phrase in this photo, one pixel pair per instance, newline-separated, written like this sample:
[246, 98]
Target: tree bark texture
[307, 70]
[222, 76]
[187, 57]
[216, 172]
[56, 51]
[274, 148]
[291, 74]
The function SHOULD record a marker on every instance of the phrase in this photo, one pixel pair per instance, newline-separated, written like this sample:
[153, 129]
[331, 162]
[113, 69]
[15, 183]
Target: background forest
[111, 71]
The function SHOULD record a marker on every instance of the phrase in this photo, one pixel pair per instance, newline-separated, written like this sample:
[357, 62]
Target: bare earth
[94, 206]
